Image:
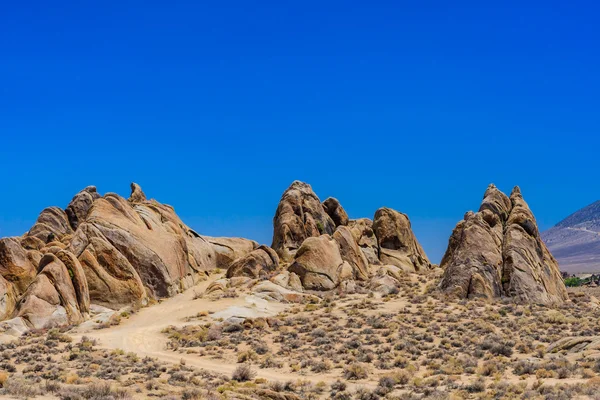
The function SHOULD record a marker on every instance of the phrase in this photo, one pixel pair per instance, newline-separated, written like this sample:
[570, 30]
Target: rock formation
[256, 264]
[325, 248]
[397, 243]
[498, 252]
[300, 215]
[108, 251]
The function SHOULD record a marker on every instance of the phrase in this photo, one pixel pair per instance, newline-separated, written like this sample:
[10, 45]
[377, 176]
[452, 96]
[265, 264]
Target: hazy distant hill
[575, 241]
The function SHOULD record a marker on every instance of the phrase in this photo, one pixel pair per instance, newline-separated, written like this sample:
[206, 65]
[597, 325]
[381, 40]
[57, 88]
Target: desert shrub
[355, 371]
[476, 387]
[19, 387]
[243, 373]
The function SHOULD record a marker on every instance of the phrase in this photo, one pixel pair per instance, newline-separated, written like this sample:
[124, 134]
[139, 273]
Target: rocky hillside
[498, 252]
[575, 241]
[103, 251]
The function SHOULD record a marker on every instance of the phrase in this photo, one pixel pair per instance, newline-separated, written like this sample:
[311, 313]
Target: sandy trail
[141, 333]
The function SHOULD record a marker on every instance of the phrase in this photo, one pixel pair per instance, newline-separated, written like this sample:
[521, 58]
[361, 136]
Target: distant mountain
[575, 241]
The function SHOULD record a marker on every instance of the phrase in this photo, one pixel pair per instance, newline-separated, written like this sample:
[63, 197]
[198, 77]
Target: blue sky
[216, 107]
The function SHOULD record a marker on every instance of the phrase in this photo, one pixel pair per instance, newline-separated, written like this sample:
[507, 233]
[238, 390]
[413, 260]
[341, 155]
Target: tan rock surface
[256, 264]
[300, 215]
[498, 252]
[351, 253]
[318, 263]
[397, 243]
[106, 250]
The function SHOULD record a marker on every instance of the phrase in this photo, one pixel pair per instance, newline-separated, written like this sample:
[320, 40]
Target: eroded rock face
[362, 231]
[104, 250]
[58, 295]
[300, 215]
[351, 253]
[334, 209]
[498, 252]
[79, 206]
[318, 263]
[397, 244]
[256, 264]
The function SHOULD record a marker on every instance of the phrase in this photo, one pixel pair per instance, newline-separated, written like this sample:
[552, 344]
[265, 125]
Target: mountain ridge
[575, 241]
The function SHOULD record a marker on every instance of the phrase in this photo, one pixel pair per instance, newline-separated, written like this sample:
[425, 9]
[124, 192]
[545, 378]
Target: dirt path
[141, 333]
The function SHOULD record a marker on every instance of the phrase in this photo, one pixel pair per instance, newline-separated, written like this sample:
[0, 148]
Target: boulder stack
[324, 248]
[498, 252]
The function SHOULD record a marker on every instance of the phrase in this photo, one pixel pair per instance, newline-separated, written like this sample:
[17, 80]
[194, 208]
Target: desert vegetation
[416, 343]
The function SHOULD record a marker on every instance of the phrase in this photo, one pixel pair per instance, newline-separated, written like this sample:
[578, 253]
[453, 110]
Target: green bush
[573, 282]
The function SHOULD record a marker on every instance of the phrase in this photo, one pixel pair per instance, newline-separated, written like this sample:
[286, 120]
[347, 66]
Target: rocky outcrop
[397, 244]
[256, 264]
[319, 263]
[362, 231]
[51, 225]
[137, 194]
[498, 252]
[79, 206]
[326, 248]
[58, 296]
[300, 215]
[351, 253]
[108, 251]
[334, 209]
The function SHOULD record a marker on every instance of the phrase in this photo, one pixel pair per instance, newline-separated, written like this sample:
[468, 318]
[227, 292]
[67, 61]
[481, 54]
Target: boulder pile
[320, 247]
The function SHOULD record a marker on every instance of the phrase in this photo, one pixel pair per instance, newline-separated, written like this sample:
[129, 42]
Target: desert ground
[412, 344]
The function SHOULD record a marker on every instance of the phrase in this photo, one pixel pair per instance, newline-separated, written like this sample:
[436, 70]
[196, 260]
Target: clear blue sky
[216, 107]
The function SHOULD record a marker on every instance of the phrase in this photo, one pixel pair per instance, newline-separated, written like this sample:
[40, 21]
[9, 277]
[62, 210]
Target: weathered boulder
[8, 298]
[498, 252]
[397, 243]
[270, 291]
[79, 206]
[288, 280]
[318, 263]
[576, 344]
[386, 280]
[227, 250]
[300, 215]
[51, 224]
[256, 264]
[351, 253]
[473, 261]
[137, 194]
[18, 266]
[334, 209]
[362, 231]
[57, 296]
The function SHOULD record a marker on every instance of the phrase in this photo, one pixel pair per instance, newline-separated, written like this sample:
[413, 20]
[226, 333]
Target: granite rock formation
[498, 252]
[104, 250]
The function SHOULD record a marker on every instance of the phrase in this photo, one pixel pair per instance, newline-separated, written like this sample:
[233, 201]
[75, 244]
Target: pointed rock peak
[90, 189]
[299, 215]
[334, 209]
[496, 201]
[300, 185]
[137, 195]
[516, 192]
[397, 243]
[79, 206]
